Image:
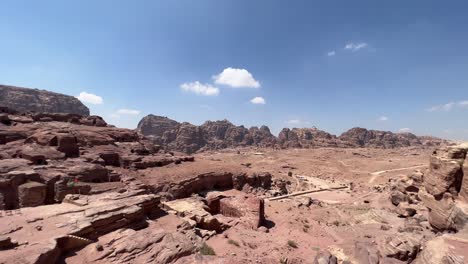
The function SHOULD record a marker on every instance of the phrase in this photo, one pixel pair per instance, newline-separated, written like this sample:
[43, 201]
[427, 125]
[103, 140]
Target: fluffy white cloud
[258, 100]
[404, 130]
[200, 88]
[448, 106]
[355, 46]
[128, 112]
[383, 118]
[90, 98]
[331, 53]
[236, 78]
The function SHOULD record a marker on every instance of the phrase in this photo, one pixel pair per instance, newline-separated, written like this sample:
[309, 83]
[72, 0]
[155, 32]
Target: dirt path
[377, 173]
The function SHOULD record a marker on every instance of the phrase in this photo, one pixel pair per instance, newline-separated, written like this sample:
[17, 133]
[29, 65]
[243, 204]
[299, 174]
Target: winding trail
[377, 173]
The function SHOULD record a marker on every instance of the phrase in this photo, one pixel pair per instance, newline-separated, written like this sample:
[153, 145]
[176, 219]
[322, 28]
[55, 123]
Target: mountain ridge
[221, 134]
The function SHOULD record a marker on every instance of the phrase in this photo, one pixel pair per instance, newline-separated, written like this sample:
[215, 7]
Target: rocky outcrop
[34, 100]
[309, 138]
[362, 137]
[77, 218]
[210, 135]
[52, 155]
[215, 180]
[443, 190]
[214, 135]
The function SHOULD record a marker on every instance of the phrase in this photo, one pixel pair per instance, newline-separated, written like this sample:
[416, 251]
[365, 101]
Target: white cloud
[114, 116]
[128, 112]
[90, 98]
[207, 107]
[258, 100]
[199, 88]
[355, 46]
[331, 53]
[383, 118]
[236, 78]
[297, 122]
[404, 130]
[448, 106]
[294, 121]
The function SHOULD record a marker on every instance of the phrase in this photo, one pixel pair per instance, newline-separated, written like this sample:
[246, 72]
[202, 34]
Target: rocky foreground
[74, 189]
[214, 135]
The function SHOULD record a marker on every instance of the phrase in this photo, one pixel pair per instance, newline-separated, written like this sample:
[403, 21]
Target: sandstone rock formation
[214, 135]
[362, 137]
[45, 156]
[34, 100]
[445, 188]
[210, 135]
[309, 138]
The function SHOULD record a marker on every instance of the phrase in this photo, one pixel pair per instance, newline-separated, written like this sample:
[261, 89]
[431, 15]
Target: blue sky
[387, 65]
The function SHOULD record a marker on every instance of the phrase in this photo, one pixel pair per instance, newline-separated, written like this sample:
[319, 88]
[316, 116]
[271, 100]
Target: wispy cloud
[404, 130]
[258, 100]
[355, 46]
[383, 118]
[128, 112]
[296, 122]
[448, 106]
[90, 98]
[331, 53]
[114, 116]
[200, 88]
[207, 107]
[236, 78]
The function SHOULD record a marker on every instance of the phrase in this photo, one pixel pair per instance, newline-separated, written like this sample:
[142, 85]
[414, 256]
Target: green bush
[233, 242]
[207, 250]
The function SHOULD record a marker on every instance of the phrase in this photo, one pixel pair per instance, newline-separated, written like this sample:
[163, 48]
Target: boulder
[405, 209]
[366, 253]
[446, 249]
[444, 175]
[439, 210]
[403, 247]
[398, 197]
[194, 209]
[32, 194]
[67, 144]
[325, 257]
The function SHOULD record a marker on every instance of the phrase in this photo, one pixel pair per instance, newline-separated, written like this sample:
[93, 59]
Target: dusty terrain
[74, 189]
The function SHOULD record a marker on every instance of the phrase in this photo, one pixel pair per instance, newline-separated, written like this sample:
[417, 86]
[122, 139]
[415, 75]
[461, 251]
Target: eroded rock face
[214, 135]
[64, 226]
[309, 138]
[444, 192]
[34, 100]
[448, 249]
[210, 135]
[379, 139]
[144, 246]
[67, 154]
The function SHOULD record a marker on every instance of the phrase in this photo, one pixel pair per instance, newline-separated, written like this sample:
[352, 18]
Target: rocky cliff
[223, 134]
[210, 135]
[34, 100]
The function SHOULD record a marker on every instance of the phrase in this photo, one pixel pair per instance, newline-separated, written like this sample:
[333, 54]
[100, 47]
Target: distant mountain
[212, 135]
[35, 100]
